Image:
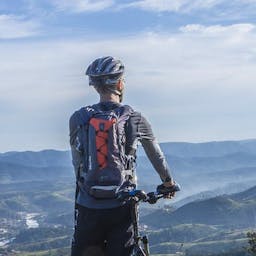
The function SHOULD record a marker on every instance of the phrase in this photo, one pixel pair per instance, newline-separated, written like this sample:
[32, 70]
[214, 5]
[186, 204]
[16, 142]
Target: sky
[190, 66]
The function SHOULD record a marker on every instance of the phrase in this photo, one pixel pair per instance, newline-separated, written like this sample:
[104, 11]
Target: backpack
[105, 168]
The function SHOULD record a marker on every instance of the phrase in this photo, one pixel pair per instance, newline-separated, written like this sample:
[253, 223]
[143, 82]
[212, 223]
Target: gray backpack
[105, 168]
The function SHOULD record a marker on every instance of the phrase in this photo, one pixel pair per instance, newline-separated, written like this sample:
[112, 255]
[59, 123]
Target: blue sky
[190, 66]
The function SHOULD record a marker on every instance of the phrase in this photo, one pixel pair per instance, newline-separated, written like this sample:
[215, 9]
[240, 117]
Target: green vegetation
[252, 242]
[53, 252]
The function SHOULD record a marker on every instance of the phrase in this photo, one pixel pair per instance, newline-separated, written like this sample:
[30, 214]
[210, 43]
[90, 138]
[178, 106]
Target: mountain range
[211, 214]
[197, 167]
[235, 210]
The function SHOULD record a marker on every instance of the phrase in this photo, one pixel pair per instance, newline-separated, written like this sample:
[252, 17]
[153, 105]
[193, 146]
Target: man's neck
[110, 97]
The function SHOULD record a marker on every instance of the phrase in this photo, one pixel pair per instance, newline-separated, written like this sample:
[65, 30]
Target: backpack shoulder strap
[125, 112]
[128, 108]
[85, 113]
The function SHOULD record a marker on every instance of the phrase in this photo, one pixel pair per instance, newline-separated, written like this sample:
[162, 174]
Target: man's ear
[120, 85]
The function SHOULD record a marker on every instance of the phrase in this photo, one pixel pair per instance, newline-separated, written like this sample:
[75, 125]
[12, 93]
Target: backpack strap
[128, 109]
[85, 114]
[129, 172]
[124, 112]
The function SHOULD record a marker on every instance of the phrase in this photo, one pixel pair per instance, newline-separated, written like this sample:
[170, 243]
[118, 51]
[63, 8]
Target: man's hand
[167, 186]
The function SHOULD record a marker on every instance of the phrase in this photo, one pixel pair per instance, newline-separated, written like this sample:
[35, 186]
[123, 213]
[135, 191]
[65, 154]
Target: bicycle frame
[135, 197]
[138, 250]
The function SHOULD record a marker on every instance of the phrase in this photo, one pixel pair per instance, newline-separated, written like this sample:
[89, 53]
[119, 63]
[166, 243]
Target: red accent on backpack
[102, 127]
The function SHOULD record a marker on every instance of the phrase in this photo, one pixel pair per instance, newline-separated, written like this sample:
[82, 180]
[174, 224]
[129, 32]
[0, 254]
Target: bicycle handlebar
[151, 197]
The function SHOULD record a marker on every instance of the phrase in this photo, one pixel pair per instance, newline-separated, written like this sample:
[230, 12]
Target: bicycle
[141, 247]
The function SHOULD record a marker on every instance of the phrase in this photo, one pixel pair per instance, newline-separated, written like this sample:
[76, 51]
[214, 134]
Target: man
[100, 217]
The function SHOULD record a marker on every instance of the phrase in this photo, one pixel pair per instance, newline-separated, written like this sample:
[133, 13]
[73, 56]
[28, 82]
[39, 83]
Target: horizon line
[166, 142]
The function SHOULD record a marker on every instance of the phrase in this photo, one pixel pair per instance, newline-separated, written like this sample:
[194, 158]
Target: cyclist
[100, 220]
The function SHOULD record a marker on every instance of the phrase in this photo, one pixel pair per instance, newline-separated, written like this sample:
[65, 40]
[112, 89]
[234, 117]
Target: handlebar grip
[161, 189]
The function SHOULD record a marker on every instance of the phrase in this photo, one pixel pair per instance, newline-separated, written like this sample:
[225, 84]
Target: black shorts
[98, 230]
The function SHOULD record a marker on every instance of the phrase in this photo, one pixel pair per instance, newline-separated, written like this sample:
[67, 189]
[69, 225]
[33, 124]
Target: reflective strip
[105, 187]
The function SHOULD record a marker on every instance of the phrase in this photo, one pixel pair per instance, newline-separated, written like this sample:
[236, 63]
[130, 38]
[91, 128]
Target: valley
[210, 216]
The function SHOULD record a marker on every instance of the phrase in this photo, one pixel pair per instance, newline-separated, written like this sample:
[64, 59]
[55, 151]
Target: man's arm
[74, 143]
[153, 150]
[138, 129]
[156, 157]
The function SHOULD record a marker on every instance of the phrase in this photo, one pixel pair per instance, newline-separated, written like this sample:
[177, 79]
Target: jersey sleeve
[139, 130]
[153, 150]
[74, 143]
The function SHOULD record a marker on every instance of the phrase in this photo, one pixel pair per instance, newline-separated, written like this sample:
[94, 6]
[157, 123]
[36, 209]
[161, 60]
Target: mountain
[249, 194]
[13, 172]
[209, 149]
[178, 149]
[42, 158]
[230, 188]
[197, 176]
[207, 219]
[209, 166]
[186, 165]
[237, 210]
[51, 197]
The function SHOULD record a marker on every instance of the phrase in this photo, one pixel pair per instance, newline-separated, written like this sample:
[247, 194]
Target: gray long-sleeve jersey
[137, 130]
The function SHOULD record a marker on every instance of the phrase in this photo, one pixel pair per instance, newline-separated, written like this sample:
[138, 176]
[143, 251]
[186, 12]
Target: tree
[252, 243]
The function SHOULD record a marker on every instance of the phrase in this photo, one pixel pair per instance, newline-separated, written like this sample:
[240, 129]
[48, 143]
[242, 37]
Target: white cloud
[78, 6]
[157, 5]
[218, 29]
[192, 87]
[12, 26]
[202, 4]
[185, 6]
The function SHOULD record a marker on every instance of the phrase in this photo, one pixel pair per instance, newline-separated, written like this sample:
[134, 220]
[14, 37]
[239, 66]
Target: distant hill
[42, 158]
[209, 165]
[237, 210]
[249, 194]
[230, 188]
[209, 149]
[51, 196]
[12, 172]
[179, 149]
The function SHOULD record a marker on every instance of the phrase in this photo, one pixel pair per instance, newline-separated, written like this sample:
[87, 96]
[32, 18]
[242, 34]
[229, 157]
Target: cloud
[157, 5]
[187, 6]
[78, 6]
[12, 27]
[194, 85]
[218, 29]
[173, 5]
